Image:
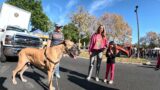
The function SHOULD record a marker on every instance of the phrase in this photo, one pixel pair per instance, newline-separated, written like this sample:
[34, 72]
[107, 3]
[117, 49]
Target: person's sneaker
[105, 81]
[57, 75]
[110, 82]
[97, 79]
[88, 78]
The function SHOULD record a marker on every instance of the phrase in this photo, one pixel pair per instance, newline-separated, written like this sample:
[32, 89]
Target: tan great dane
[44, 58]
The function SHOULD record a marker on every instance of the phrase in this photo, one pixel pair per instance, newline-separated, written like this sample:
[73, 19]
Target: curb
[147, 63]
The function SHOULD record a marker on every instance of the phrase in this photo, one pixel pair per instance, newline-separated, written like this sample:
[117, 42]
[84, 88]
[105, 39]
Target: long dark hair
[112, 48]
[103, 32]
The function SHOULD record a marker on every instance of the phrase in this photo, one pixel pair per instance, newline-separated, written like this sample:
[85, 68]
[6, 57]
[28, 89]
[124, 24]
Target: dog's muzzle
[73, 52]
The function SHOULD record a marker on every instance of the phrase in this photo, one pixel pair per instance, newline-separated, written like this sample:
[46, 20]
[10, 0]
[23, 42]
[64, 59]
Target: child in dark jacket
[110, 66]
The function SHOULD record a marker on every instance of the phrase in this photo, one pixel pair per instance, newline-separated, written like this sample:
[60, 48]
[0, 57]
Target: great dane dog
[46, 58]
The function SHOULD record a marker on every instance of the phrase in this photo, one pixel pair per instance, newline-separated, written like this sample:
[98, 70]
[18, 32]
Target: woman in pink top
[98, 43]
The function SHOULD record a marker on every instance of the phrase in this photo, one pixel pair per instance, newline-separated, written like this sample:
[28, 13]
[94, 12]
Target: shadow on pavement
[148, 66]
[36, 77]
[88, 85]
[73, 72]
[2, 80]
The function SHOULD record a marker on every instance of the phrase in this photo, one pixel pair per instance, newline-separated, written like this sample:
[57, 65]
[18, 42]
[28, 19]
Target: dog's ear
[64, 42]
[68, 43]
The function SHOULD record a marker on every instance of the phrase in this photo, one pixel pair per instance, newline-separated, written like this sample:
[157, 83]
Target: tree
[116, 29]
[83, 20]
[70, 31]
[151, 39]
[38, 18]
[143, 42]
[159, 39]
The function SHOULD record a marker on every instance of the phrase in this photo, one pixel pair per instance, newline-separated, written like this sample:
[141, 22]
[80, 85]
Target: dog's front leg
[50, 80]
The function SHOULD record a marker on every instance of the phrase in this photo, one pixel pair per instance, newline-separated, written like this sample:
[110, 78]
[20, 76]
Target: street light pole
[136, 11]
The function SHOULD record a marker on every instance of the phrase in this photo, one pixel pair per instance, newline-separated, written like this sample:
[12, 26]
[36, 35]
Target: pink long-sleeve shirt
[97, 42]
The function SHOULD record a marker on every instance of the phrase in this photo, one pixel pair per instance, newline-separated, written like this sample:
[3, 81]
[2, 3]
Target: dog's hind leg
[21, 73]
[19, 67]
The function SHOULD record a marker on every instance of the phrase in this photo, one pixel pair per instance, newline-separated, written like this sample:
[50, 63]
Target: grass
[85, 54]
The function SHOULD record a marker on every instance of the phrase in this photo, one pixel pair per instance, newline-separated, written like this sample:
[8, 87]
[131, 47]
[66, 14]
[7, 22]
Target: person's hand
[111, 52]
[90, 53]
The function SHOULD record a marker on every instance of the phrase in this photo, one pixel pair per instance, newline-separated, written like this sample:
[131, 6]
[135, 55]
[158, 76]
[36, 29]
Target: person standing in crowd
[98, 43]
[158, 62]
[56, 38]
[110, 65]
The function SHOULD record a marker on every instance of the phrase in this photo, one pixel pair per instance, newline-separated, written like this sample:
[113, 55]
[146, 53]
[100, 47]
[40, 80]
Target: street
[74, 72]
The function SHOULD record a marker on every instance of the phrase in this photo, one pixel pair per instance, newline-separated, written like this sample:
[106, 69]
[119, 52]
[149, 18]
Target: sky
[148, 12]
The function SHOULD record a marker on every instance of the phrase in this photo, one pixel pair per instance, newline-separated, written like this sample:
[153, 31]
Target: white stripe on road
[4, 68]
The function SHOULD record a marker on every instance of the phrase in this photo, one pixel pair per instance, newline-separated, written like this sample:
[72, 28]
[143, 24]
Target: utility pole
[136, 11]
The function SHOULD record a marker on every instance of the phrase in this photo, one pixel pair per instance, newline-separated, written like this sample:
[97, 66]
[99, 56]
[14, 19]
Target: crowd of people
[145, 53]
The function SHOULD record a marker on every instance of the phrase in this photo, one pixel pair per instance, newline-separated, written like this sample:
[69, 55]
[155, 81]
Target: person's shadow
[76, 78]
[72, 72]
[2, 80]
[87, 85]
[147, 66]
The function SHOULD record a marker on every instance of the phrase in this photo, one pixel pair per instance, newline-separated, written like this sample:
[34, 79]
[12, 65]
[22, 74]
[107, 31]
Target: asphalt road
[74, 72]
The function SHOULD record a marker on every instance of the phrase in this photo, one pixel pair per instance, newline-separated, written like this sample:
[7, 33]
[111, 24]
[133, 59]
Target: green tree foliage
[39, 20]
[70, 31]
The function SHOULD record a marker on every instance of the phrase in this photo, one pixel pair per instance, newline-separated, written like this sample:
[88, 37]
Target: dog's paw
[24, 80]
[14, 82]
[54, 88]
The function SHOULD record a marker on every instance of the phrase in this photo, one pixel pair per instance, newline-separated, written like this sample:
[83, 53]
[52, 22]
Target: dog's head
[71, 49]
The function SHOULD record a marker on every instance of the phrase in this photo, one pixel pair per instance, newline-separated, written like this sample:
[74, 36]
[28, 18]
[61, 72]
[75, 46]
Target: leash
[57, 84]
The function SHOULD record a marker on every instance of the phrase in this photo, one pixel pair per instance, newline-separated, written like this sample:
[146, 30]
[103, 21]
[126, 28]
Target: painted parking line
[4, 68]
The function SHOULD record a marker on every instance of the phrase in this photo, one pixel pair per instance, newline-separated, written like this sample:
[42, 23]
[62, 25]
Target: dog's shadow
[37, 78]
[2, 80]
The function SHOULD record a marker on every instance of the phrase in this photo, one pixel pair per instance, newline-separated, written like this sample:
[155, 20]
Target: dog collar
[49, 58]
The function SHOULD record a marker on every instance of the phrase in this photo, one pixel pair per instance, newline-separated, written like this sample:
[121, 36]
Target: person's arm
[91, 44]
[49, 40]
[108, 54]
[62, 39]
[114, 55]
[48, 43]
[105, 42]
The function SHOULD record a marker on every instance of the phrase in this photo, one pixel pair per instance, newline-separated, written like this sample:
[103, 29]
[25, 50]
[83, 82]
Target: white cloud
[47, 8]
[63, 18]
[97, 5]
[71, 3]
[101, 4]
[58, 7]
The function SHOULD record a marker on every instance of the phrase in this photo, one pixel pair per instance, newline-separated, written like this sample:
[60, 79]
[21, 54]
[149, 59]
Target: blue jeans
[57, 70]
